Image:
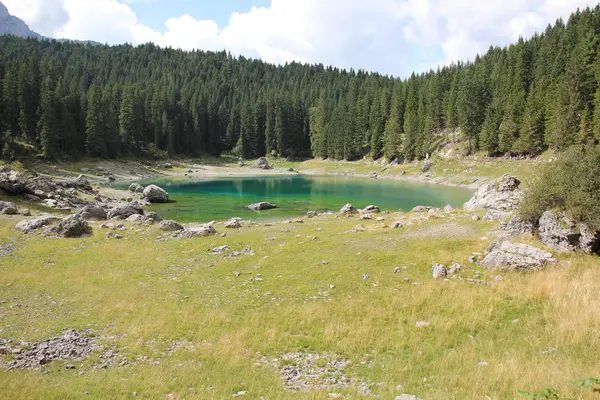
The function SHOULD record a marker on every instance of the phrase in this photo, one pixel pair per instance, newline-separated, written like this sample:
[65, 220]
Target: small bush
[570, 184]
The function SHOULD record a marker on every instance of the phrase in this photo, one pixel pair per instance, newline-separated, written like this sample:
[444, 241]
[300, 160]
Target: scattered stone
[136, 188]
[8, 208]
[397, 270]
[113, 235]
[31, 225]
[135, 218]
[365, 277]
[26, 212]
[455, 268]
[366, 216]
[168, 166]
[448, 208]
[124, 212]
[170, 226]
[221, 249]
[397, 225]
[152, 217]
[233, 223]
[155, 194]
[371, 209]
[73, 226]
[261, 206]
[312, 214]
[438, 271]
[93, 212]
[422, 324]
[508, 256]
[240, 393]
[483, 364]
[407, 397]
[476, 218]
[559, 232]
[422, 209]
[348, 209]
[261, 163]
[360, 228]
[516, 225]
[198, 231]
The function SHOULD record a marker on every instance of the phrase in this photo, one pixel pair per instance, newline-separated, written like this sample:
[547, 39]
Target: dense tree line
[70, 99]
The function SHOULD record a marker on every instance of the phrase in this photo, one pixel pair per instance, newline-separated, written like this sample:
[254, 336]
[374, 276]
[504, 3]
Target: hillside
[72, 100]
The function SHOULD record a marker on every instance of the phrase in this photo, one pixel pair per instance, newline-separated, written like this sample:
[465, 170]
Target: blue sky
[392, 37]
[155, 13]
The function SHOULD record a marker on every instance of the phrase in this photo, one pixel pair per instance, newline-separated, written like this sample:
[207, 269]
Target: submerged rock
[263, 205]
[508, 256]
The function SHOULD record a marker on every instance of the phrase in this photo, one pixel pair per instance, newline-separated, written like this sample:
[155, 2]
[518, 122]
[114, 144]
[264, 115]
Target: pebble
[422, 324]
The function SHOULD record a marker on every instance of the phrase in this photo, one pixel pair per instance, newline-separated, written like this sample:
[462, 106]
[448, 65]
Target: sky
[392, 37]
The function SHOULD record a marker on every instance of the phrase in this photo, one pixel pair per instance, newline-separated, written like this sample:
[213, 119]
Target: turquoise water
[223, 198]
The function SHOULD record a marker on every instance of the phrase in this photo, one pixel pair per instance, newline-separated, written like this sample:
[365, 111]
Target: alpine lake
[220, 198]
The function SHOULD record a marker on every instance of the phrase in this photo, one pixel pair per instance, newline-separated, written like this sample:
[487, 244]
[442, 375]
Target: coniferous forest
[74, 100]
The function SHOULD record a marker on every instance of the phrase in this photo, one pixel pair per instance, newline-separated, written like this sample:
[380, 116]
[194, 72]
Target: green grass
[148, 293]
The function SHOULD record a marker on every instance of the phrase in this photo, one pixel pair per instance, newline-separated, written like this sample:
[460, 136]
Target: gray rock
[371, 209]
[261, 163]
[73, 226]
[407, 397]
[31, 225]
[312, 214]
[124, 212]
[93, 212]
[422, 209]
[501, 197]
[263, 205]
[508, 256]
[556, 230]
[397, 225]
[233, 223]
[426, 166]
[455, 268]
[517, 226]
[135, 218]
[136, 188]
[170, 226]
[198, 231]
[8, 207]
[438, 271]
[26, 212]
[448, 208]
[155, 194]
[152, 217]
[348, 209]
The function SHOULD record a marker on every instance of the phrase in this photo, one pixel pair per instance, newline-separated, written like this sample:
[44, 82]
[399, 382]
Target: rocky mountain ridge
[11, 25]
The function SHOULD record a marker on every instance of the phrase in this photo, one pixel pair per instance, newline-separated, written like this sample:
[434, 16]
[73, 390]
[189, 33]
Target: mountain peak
[11, 25]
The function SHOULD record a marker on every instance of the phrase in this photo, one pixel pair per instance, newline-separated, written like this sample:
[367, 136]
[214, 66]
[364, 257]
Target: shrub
[570, 184]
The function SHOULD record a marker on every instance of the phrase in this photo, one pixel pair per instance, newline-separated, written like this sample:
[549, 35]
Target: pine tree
[95, 126]
[48, 125]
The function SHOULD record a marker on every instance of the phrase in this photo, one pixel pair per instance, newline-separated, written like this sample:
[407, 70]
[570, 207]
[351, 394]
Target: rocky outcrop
[500, 198]
[170, 226]
[11, 25]
[73, 226]
[198, 231]
[348, 209]
[518, 226]
[263, 205]
[124, 212]
[31, 225]
[136, 188]
[261, 163]
[155, 194]
[508, 256]
[558, 231]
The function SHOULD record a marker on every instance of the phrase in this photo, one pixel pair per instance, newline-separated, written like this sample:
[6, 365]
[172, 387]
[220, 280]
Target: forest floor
[314, 311]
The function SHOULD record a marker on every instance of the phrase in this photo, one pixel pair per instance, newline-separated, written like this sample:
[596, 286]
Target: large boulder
[348, 209]
[233, 223]
[73, 226]
[32, 225]
[136, 188]
[556, 230]
[261, 163]
[124, 212]
[93, 212]
[517, 225]
[170, 226]
[12, 182]
[261, 206]
[198, 231]
[508, 256]
[8, 207]
[152, 217]
[155, 194]
[500, 198]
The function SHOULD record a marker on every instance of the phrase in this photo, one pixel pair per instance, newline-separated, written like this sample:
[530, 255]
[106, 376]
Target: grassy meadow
[188, 324]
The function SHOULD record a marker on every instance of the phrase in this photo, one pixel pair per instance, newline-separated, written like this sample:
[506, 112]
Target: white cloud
[389, 36]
